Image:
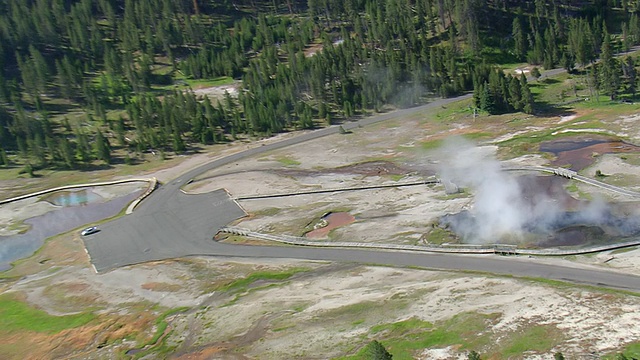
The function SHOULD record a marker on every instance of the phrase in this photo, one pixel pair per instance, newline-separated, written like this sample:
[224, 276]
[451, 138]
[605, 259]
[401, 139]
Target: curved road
[171, 224]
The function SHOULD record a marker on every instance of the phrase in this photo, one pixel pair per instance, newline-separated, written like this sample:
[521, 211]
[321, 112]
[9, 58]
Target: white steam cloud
[500, 211]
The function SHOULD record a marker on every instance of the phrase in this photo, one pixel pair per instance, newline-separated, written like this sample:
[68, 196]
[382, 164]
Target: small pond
[333, 220]
[73, 198]
[76, 209]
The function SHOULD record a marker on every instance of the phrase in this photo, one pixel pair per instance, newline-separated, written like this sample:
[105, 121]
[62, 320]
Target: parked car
[89, 231]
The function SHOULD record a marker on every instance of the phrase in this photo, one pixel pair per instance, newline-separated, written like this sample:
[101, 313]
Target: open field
[201, 308]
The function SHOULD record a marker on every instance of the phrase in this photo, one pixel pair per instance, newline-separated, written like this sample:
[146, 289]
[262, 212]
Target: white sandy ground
[217, 93]
[301, 313]
[312, 306]
[586, 131]
[630, 125]
[305, 314]
[111, 289]
[512, 135]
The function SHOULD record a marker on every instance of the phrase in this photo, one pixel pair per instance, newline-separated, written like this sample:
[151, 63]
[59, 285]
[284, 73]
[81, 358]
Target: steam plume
[500, 211]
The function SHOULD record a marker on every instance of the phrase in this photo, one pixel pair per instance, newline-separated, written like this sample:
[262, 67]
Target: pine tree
[67, 153]
[473, 355]
[520, 43]
[630, 75]
[610, 71]
[5, 92]
[515, 93]
[580, 41]
[486, 100]
[28, 75]
[3, 157]
[376, 351]
[41, 69]
[102, 148]
[527, 97]
[550, 51]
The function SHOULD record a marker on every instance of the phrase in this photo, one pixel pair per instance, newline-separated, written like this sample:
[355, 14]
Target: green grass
[633, 350]
[183, 82]
[161, 323]
[10, 173]
[432, 144]
[242, 284]
[572, 188]
[401, 328]
[532, 138]
[478, 136]
[528, 143]
[555, 90]
[621, 180]
[624, 250]
[404, 338]
[631, 159]
[539, 338]
[440, 236]
[362, 354]
[568, 285]
[461, 194]
[17, 316]
[155, 345]
[267, 212]
[219, 81]
[406, 347]
[355, 311]
[240, 295]
[463, 108]
[473, 137]
[287, 161]
[19, 226]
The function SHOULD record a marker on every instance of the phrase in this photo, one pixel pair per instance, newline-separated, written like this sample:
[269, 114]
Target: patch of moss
[267, 212]
[239, 285]
[438, 236]
[403, 339]
[17, 316]
[287, 161]
[539, 339]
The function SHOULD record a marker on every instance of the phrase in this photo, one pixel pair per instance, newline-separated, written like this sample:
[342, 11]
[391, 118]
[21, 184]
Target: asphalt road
[170, 224]
[178, 225]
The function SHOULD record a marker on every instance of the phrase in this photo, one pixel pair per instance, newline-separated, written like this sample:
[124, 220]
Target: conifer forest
[88, 82]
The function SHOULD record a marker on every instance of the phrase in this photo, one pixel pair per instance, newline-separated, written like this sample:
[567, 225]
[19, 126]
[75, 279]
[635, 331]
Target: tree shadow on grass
[61, 108]
[101, 166]
[547, 109]
[549, 81]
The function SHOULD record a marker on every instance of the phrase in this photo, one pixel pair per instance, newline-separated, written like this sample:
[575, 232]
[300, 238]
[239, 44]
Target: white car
[89, 231]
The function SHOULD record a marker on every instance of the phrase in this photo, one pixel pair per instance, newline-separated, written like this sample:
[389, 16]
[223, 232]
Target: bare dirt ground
[329, 310]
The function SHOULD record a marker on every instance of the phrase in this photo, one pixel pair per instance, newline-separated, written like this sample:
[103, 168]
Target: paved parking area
[183, 225]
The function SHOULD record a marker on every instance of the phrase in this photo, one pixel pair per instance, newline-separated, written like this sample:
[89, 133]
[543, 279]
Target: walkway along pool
[74, 213]
[577, 152]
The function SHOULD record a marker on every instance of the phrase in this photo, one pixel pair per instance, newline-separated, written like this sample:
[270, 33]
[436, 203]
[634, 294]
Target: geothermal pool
[542, 214]
[577, 152]
[73, 209]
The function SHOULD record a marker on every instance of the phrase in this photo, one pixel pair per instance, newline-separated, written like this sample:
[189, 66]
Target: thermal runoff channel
[527, 209]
